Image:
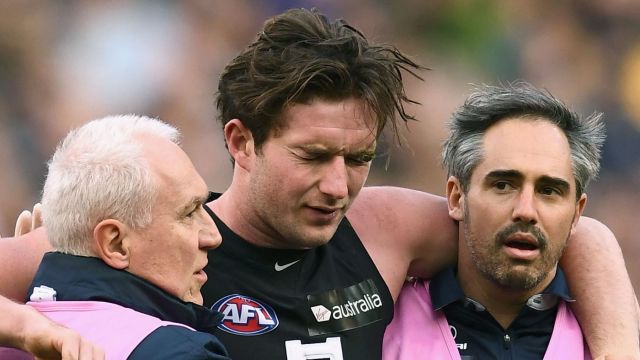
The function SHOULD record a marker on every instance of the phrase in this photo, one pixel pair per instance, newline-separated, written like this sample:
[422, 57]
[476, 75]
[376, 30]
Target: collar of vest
[445, 289]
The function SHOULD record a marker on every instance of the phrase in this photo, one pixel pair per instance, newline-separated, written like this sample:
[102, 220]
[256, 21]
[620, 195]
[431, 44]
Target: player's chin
[319, 237]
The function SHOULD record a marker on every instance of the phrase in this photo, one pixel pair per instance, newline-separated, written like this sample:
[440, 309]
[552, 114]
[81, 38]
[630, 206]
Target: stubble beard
[508, 273]
[292, 232]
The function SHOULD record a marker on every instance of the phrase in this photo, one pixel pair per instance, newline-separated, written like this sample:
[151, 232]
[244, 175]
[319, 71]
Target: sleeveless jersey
[329, 302]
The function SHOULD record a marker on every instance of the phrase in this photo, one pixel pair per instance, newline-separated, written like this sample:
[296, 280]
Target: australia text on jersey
[341, 309]
[350, 308]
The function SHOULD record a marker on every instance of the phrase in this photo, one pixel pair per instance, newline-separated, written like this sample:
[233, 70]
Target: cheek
[180, 268]
[175, 256]
[266, 187]
[484, 222]
[560, 232]
[273, 177]
[480, 231]
[559, 223]
[489, 216]
[293, 182]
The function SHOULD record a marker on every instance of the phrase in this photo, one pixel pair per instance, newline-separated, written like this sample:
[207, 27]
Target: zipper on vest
[506, 341]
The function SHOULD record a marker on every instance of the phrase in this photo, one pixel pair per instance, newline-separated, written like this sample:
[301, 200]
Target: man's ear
[113, 243]
[580, 204]
[455, 198]
[240, 143]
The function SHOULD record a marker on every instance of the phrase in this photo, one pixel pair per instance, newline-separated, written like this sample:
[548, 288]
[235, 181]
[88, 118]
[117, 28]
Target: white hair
[98, 172]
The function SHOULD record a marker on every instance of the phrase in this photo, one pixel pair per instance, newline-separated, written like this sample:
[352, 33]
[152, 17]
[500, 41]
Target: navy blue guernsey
[329, 302]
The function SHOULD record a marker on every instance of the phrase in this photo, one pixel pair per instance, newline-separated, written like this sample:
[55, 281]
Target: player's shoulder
[378, 209]
[378, 195]
[388, 200]
[407, 215]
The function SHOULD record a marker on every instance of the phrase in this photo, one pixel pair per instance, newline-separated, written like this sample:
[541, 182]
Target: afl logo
[245, 316]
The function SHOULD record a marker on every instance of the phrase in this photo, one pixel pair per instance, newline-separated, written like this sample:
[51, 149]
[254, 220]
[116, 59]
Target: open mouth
[521, 245]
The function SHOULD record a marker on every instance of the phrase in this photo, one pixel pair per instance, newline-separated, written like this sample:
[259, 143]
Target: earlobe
[455, 198]
[112, 243]
[240, 143]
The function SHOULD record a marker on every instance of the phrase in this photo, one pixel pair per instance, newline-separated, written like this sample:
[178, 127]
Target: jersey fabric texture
[328, 302]
[419, 331]
[122, 313]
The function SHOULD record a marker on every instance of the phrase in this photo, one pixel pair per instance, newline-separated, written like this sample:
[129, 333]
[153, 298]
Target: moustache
[520, 227]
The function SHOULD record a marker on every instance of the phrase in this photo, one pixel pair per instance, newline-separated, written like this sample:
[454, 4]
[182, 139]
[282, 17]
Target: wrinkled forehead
[328, 126]
[348, 114]
[530, 146]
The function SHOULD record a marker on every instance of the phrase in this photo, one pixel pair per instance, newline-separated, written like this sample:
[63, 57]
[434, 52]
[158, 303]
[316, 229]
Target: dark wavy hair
[299, 56]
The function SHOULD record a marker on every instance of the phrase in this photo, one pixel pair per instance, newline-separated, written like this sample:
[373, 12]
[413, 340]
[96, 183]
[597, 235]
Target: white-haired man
[123, 208]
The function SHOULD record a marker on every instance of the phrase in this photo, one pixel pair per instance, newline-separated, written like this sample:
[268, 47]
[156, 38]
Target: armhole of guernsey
[345, 226]
[367, 301]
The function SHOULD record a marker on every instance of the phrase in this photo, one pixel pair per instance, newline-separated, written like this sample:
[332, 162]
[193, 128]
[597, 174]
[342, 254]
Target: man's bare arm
[19, 261]
[606, 306]
[406, 232]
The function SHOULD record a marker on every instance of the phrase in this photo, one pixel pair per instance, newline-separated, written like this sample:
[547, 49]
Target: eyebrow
[515, 174]
[557, 182]
[319, 149]
[502, 174]
[194, 201]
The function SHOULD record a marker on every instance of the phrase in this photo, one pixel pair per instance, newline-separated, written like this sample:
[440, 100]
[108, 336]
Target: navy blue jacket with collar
[78, 278]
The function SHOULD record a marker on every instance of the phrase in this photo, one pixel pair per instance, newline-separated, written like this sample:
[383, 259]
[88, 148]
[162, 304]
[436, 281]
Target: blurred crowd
[65, 62]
